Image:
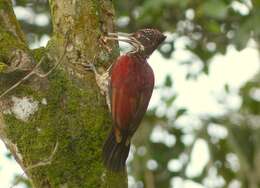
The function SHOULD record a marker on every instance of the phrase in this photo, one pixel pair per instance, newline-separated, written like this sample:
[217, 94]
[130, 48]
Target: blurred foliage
[21, 180]
[208, 27]
[32, 12]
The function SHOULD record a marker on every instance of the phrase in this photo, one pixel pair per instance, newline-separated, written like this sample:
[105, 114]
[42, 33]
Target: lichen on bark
[70, 109]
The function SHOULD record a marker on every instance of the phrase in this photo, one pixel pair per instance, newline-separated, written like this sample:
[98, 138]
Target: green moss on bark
[8, 44]
[3, 67]
[70, 117]
[8, 20]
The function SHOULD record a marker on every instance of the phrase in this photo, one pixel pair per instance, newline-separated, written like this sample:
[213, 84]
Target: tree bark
[55, 126]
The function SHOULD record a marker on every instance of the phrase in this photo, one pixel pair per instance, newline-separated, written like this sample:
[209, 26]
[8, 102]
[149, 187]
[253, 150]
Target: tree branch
[14, 51]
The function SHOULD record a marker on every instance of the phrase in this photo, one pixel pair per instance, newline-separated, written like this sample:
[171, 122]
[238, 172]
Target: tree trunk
[55, 126]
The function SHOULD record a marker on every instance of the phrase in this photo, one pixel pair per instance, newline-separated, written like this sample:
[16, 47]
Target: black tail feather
[115, 154]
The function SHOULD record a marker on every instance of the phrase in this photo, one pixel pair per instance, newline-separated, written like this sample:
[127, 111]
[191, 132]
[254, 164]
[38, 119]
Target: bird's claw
[103, 43]
[102, 81]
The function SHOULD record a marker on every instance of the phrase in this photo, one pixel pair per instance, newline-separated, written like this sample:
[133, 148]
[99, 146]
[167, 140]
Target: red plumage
[132, 82]
[131, 87]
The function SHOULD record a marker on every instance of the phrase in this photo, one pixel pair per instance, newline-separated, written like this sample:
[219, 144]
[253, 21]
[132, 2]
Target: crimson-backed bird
[130, 88]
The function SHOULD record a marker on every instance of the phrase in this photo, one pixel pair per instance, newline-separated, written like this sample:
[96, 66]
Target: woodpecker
[129, 86]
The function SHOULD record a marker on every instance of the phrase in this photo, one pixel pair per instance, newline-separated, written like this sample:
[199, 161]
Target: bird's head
[150, 39]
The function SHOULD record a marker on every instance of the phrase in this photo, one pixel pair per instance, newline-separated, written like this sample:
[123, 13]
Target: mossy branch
[14, 53]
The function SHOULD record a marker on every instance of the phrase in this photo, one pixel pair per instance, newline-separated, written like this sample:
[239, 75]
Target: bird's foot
[102, 81]
[103, 44]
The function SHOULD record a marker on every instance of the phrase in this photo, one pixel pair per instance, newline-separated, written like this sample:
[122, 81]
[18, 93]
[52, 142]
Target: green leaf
[3, 67]
[180, 112]
[227, 89]
[242, 35]
[206, 68]
[215, 9]
[8, 155]
[170, 101]
[168, 81]
[213, 26]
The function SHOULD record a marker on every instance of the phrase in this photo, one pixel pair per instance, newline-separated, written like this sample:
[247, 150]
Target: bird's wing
[128, 110]
[124, 105]
[140, 111]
